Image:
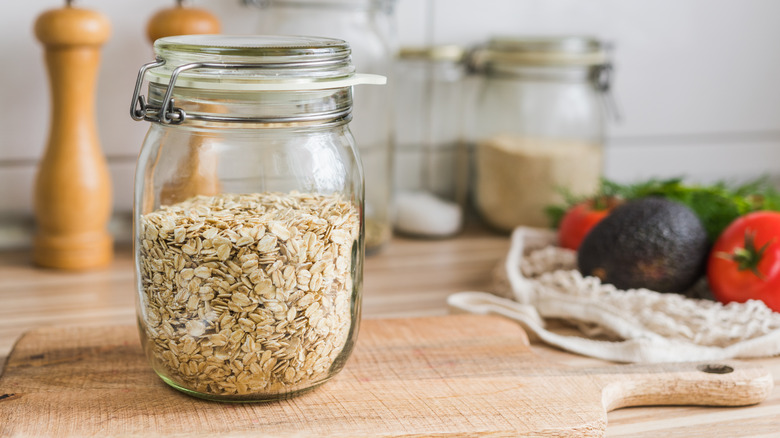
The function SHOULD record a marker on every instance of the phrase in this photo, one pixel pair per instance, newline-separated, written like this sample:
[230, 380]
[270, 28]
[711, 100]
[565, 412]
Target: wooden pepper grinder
[198, 174]
[73, 187]
[181, 21]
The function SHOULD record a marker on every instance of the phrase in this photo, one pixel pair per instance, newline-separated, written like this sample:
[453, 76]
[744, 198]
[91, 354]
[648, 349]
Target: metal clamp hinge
[603, 76]
[604, 86]
[140, 110]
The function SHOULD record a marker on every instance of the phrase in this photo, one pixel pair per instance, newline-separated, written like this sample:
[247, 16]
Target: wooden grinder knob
[73, 187]
[181, 21]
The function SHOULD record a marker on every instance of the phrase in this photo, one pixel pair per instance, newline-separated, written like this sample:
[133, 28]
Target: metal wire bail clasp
[141, 110]
[138, 107]
[603, 78]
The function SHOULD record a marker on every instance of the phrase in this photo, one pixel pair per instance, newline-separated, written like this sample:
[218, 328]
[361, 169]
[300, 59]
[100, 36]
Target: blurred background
[697, 83]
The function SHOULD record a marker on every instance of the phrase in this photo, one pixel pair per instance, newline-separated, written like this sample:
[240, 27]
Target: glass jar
[368, 27]
[538, 126]
[249, 232]
[428, 133]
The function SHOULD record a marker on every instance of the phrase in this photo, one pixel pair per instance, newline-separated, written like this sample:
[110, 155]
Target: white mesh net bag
[539, 281]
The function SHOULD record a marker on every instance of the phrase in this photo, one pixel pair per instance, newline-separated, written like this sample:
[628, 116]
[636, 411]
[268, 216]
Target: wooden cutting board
[461, 375]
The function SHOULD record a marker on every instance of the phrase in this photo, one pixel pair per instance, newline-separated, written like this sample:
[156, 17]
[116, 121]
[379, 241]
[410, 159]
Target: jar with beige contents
[248, 289]
[538, 126]
[368, 25]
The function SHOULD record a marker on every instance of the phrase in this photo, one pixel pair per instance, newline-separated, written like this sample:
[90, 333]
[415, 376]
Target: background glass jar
[248, 214]
[428, 132]
[537, 126]
[369, 28]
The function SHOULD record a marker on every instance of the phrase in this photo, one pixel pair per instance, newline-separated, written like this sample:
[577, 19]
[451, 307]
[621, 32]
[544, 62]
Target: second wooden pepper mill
[181, 21]
[73, 187]
[198, 174]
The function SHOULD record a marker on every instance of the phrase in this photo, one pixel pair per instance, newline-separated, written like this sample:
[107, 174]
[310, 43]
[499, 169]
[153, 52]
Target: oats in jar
[248, 293]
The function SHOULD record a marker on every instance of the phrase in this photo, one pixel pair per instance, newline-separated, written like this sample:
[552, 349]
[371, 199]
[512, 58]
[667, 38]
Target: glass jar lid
[240, 64]
[249, 62]
[443, 53]
[567, 51]
[384, 5]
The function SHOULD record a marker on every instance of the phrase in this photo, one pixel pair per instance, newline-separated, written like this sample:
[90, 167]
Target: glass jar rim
[440, 53]
[252, 45]
[539, 51]
[385, 5]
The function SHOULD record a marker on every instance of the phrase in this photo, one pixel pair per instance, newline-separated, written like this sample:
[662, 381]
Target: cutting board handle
[689, 383]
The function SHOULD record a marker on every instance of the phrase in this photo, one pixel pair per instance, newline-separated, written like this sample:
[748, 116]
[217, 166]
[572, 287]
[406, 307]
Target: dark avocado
[651, 243]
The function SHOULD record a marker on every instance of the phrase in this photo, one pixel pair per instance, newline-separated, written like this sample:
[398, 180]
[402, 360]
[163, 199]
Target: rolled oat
[248, 294]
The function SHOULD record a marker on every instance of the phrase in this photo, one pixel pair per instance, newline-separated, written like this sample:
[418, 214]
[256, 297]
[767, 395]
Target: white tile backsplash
[707, 161]
[697, 80]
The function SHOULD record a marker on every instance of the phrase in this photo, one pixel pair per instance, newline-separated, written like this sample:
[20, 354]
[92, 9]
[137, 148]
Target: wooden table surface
[409, 278]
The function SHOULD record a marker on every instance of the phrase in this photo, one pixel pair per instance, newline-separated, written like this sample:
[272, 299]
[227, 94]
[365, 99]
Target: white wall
[698, 81]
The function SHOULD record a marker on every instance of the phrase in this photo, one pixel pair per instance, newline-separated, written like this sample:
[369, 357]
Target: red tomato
[744, 264]
[581, 218]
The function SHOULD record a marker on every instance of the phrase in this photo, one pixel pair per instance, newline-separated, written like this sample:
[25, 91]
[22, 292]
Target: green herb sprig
[717, 205]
